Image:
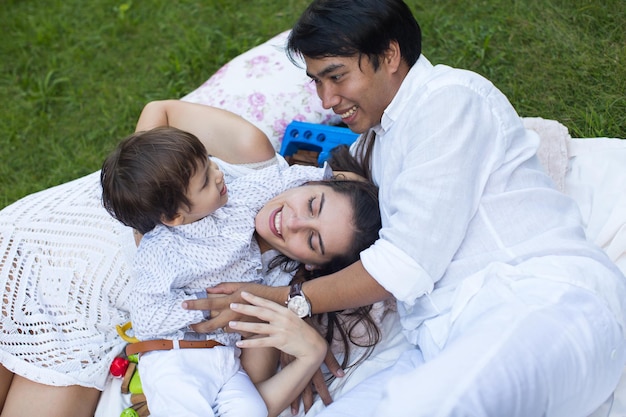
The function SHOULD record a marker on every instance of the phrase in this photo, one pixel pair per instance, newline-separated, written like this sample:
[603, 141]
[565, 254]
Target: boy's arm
[156, 305]
[260, 364]
[224, 134]
[156, 312]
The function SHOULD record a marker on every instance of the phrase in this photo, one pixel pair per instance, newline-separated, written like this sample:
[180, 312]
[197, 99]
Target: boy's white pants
[511, 353]
[198, 382]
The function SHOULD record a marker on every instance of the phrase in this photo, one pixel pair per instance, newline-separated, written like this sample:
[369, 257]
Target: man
[513, 311]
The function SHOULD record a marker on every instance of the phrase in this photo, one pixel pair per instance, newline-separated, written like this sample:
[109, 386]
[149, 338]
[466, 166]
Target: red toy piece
[118, 367]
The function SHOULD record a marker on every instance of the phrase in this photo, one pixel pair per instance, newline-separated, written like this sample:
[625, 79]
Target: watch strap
[295, 289]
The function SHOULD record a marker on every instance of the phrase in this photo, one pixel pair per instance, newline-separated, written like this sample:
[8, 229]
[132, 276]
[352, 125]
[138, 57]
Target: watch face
[299, 306]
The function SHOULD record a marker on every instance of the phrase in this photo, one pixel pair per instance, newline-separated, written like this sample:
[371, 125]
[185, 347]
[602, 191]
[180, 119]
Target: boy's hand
[218, 307]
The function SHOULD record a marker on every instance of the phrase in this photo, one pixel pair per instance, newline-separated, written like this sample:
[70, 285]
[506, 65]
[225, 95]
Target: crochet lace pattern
[64, 269]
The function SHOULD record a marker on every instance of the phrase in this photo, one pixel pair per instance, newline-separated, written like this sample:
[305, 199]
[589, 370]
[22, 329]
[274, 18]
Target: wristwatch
[297, 301]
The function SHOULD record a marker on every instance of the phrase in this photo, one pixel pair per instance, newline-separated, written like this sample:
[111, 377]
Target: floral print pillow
[267, 89]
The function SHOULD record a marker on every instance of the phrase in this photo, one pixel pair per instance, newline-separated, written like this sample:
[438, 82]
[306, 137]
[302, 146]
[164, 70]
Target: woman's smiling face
[311, 224]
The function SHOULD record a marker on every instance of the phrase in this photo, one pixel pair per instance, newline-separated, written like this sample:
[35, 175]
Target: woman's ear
[177, 220]
[309, 267]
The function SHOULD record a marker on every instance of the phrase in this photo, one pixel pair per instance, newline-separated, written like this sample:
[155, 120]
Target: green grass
[74, 75]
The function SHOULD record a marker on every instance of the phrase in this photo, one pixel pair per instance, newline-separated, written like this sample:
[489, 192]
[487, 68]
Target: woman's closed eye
[312, 205]
[311, 235]
[311, 200]
[314, 237]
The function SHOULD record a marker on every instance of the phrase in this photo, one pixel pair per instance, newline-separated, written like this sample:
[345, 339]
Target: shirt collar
[397, 106]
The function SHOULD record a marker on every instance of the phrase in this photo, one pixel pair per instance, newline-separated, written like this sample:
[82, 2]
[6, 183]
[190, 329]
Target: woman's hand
[281, 329]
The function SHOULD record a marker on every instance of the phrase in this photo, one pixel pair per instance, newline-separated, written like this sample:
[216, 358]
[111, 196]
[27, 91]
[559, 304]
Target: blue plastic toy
[316, 138]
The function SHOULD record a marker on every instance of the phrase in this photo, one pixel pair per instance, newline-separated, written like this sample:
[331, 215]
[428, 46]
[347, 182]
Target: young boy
[162, 183]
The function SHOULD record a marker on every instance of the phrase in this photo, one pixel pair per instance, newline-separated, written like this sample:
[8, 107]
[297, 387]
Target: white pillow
[264, 87]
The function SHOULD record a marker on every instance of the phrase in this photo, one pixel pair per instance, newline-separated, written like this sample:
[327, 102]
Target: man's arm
[349, 288]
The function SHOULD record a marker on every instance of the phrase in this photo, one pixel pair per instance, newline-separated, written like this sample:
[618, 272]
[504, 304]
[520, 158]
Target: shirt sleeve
[259, 187]
[296, 175]
[432, 167]
[156, 311]
[376, 262]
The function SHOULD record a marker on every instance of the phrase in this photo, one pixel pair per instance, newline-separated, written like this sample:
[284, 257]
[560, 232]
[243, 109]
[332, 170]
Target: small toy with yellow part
[125, 367]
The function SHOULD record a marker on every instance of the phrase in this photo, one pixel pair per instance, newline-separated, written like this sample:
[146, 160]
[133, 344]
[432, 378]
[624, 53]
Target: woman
[65, 266]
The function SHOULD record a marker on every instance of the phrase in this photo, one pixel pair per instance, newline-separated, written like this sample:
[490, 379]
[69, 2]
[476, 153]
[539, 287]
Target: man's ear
[310, 267]
[393, 56]
[177, 220]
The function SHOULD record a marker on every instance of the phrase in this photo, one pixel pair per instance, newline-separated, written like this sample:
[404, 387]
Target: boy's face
[206, 192]
[352, 88]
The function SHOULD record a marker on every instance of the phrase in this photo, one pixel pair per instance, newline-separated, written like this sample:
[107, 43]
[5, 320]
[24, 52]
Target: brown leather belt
[164, 344]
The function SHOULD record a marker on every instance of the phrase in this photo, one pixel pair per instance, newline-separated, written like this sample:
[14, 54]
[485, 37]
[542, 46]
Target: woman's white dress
[65, 271]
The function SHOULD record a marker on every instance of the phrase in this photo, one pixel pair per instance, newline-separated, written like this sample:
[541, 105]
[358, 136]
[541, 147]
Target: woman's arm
[283, 330]
[224, 134]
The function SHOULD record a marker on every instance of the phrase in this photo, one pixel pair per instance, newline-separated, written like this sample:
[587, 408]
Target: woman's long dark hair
[341, 325]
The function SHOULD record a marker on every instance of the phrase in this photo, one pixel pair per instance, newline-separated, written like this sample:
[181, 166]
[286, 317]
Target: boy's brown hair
[145, 179]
